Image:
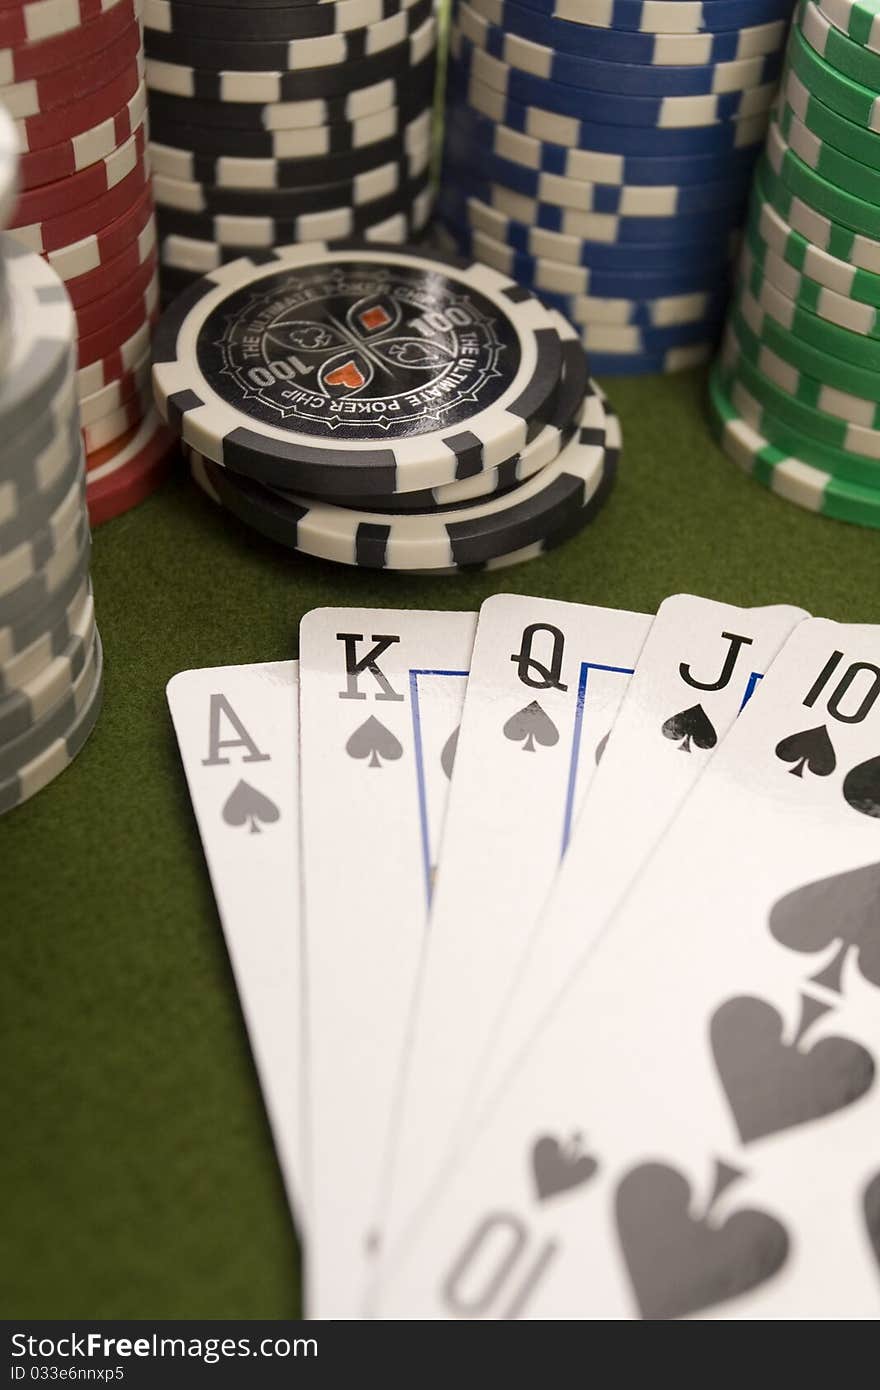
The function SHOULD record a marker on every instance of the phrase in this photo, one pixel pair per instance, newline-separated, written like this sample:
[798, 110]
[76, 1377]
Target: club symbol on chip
[303, 336]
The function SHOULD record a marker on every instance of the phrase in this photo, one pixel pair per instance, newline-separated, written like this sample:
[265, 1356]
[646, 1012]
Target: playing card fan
[717, 1154]
[794, 392]
[72, 79]
[646, 841]
[279, 123]
[386, 409]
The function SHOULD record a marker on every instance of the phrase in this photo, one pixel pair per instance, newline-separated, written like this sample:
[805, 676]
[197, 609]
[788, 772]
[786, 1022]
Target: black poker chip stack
[275, 123]
[383, 407]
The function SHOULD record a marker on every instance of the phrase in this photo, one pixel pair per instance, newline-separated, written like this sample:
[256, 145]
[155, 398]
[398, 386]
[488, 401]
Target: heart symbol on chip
[348, 375]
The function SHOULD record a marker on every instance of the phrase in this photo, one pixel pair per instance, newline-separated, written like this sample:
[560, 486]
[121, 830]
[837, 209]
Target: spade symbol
[373, 741]
[811, 749]
[680, 1262]
[773, 1085]
[450, 748]
[559, 1168]
[844, 908]
[691, 726]
[861, 787]
[872, 1214]
[246, 806]
[531, 725]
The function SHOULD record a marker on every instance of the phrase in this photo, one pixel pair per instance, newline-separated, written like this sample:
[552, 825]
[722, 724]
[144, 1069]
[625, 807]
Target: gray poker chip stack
[274, 123]
[50, 652]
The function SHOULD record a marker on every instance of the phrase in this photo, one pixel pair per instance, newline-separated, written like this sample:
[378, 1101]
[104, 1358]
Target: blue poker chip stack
[601, 152]
[282, 121]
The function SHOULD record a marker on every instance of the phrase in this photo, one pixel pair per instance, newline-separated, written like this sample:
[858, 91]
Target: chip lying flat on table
[356, 370]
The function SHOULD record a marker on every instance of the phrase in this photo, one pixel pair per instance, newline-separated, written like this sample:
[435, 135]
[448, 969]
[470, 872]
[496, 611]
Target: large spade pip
[843, 910]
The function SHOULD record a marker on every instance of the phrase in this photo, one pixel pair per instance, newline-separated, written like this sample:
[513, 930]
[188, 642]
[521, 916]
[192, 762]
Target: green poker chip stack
[795, 392]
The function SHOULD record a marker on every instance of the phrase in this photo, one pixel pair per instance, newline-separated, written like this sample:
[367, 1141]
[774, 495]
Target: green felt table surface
[137, 1170]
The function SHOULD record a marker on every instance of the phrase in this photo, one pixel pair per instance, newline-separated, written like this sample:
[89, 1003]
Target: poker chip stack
[286, 120]
[50, 651]
[71, 77]
[795, 394]
[601, 153]
[384, 408]
[8, 195]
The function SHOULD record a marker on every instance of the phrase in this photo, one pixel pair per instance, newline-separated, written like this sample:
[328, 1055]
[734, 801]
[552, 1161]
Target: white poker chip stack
[277, 123]
[50, 651]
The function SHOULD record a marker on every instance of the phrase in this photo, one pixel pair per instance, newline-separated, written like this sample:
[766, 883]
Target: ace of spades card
[729, 1102]
[238, 732]
[546, 682]
[381, 693]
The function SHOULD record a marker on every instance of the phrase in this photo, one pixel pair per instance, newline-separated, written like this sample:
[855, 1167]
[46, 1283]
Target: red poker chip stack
[72, 78]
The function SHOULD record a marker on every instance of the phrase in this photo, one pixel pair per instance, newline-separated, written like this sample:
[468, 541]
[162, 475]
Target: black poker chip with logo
[576, 392]
[356, 370]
